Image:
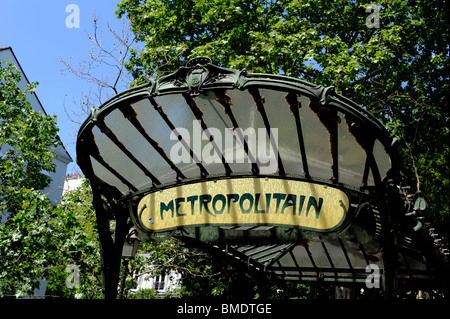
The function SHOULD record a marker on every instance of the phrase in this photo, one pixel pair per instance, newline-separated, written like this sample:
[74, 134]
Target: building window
[159, 282]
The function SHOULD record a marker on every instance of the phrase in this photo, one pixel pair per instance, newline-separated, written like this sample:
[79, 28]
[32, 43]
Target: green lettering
[204, 201]
[234, 197]
[219, 197]
[268, 197]
[192, 199]
[164, 207]
[258, 211]
[300, 206]
[313, 202]
[249, 197]
[278, 197]
[291, 200]
[177, 206]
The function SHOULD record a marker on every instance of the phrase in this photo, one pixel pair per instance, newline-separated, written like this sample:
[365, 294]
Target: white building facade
[72, 182]
[164, 285]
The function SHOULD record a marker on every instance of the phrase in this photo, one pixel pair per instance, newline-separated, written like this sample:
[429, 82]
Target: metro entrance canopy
[275, 175]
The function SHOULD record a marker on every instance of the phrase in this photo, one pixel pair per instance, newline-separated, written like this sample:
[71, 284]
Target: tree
[76, 273]
[201, 274]
[398, 70]
[104, 69]
[28, 137]
[39, 239]
[55, 242]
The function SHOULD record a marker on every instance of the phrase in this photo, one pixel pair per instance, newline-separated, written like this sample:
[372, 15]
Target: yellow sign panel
[245, 201]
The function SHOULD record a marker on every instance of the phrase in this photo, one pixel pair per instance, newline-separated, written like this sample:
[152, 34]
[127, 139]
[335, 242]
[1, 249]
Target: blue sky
[37, 32]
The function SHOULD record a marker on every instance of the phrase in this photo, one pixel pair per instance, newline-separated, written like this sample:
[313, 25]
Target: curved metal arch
[172, 84]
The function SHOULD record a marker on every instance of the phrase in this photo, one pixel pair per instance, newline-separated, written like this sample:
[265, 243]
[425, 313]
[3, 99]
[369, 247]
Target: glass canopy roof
[131, 144]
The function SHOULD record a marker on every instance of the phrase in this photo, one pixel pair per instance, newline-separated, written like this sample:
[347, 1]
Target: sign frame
[177, 207]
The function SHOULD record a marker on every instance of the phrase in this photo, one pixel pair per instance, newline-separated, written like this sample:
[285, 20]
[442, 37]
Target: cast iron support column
[110, 247]
[122, 278]
[389, 219]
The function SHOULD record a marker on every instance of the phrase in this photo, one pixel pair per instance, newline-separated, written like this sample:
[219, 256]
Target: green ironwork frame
[199, 76]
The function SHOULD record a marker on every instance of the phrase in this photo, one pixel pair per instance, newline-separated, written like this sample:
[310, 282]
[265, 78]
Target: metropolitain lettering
[246, 203]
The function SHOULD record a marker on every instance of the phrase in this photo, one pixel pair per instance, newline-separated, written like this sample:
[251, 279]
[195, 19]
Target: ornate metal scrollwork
[195, 78]
[198, 75]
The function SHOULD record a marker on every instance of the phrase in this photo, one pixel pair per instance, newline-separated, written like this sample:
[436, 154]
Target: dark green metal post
[111, 245]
